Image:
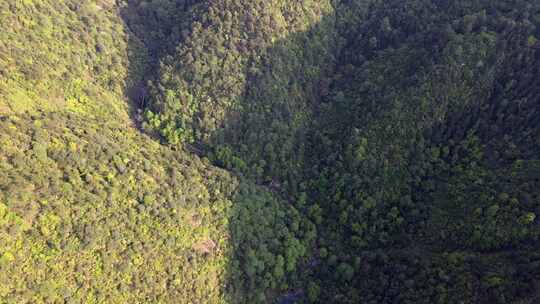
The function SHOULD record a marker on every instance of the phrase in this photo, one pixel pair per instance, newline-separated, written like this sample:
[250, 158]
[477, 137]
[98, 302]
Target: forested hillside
[94, 211]
[276, 151]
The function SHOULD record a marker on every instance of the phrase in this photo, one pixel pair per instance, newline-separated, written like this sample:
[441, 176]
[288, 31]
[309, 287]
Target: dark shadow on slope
[275, 254]
[262, 140]
[270, 240]
[141, 63]
[153, 30]
[395, 76]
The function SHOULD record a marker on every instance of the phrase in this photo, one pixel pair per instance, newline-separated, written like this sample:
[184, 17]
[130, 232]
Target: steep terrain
[231, 151]
[93, 211]
[405, 130]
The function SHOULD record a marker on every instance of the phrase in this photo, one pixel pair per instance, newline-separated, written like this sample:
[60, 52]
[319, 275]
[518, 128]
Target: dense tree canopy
[276, 151]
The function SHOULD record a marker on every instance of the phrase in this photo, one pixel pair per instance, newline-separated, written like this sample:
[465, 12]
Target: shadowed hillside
[227, 151]
[401, 130]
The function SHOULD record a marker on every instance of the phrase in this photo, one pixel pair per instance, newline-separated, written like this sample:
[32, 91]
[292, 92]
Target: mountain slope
[91, 209]
[227, 151]
[410, 137]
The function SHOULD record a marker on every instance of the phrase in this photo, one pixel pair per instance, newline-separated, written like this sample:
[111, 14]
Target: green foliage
[380, 122]
[269, 239]
[240, 88]
[380, 151]
[76, 225]
[58, 55]
[410, 153]
[93, 211]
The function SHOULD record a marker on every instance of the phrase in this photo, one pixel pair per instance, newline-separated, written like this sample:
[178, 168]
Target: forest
[270, 151]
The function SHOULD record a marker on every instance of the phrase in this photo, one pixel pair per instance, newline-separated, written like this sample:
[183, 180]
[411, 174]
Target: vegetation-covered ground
[92, 210]
[231, 151]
